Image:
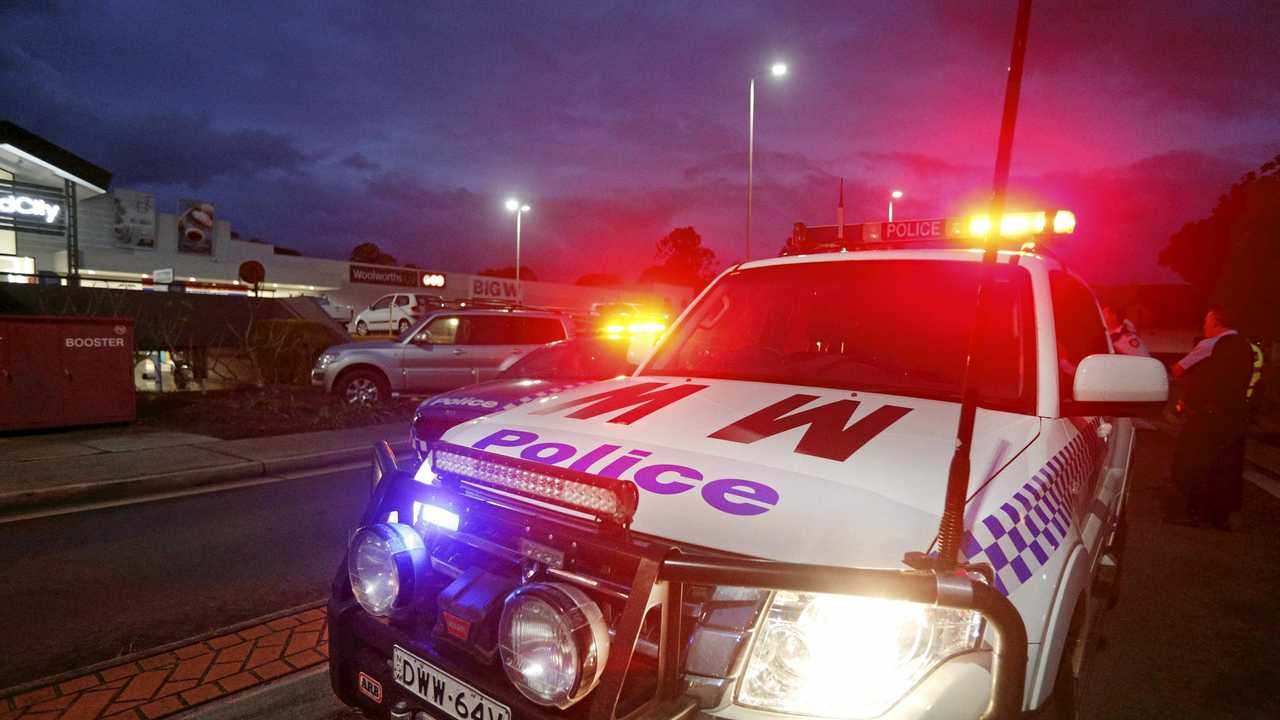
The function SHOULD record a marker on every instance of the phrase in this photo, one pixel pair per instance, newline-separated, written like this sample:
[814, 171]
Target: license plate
[443, 691]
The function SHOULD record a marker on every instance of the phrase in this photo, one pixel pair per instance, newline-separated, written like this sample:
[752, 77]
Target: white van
[393, 314]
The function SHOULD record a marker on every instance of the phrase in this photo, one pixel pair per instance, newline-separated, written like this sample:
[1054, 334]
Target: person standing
[1208, 464]
[1124, 336]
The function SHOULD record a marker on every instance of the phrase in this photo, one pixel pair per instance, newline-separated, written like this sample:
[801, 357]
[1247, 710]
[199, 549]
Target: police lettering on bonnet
[723, 532]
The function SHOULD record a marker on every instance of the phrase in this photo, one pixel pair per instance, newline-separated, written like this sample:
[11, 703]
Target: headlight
[325, 360]
[554, 643]
[385, 562]
[848, 657]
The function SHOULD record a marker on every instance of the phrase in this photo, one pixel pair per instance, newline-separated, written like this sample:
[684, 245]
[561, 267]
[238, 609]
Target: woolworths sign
[399, 277]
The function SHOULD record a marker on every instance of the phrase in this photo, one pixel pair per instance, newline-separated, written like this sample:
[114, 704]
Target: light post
[895, 195]
[778, 69]
[519, 208]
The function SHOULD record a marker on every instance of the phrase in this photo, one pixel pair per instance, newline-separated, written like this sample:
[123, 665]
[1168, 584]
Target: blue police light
[436, 515]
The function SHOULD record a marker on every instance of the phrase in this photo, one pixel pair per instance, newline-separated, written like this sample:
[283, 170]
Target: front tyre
[363, 387]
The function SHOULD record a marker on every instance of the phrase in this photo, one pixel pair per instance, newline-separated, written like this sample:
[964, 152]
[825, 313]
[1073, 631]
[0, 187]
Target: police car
[749, 526]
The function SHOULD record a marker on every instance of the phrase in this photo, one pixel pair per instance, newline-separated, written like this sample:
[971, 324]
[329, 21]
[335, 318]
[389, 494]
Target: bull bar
[663, 572]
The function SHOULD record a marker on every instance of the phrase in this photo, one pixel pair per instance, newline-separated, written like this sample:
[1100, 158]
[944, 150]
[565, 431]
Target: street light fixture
[895, 195]
[777, 70]
[519, 208]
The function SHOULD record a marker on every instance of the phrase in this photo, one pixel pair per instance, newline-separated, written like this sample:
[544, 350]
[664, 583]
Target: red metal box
[65, 371]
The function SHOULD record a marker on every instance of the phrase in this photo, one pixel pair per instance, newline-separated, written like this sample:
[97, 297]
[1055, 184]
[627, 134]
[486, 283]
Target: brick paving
[171, 682]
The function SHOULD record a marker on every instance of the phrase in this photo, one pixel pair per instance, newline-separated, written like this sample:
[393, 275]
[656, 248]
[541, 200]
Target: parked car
[545, 371]
[395, 313]
[445, 350]
[337, 311]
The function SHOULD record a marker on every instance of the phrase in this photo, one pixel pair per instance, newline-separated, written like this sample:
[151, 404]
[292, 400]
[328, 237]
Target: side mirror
[1117, 385]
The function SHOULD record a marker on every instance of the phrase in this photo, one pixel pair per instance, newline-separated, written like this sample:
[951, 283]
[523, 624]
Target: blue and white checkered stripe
[1029, 528]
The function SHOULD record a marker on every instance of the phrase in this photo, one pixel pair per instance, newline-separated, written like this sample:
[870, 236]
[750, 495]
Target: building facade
[60, 221]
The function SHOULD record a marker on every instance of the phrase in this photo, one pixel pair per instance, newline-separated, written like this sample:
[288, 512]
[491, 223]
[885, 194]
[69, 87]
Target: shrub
[284, 351]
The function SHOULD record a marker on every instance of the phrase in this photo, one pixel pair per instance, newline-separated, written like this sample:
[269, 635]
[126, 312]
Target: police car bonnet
[784, 472]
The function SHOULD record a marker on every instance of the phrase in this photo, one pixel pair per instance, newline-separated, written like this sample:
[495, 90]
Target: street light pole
[895, 195]
[519, 208]
[777, 70]
[751, 147]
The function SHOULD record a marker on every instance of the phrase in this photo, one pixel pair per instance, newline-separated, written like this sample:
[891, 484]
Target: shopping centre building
[61, 221]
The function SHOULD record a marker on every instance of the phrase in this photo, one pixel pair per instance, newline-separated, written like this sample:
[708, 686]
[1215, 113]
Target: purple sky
[407, 123]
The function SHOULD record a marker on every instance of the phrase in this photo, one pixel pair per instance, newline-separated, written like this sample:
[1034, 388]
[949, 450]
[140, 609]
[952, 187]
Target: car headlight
[848, 657]
[385, 563]
[325, 360]
[554, 643]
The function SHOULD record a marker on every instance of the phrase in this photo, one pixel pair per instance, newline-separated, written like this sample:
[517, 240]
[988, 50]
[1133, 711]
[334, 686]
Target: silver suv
[444, 350]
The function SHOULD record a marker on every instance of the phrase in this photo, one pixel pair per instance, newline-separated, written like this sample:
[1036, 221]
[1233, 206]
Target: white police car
[723, 533]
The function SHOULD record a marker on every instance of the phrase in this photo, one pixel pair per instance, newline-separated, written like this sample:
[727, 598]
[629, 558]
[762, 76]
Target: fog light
[385, 563]
[554, 643]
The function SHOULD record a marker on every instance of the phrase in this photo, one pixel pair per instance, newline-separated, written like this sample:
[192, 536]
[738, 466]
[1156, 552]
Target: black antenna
[951, 528]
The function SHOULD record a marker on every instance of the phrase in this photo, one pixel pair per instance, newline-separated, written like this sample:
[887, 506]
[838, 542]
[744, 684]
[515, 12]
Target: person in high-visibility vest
[1124, 336]
[1208, 463]
[1258, 360]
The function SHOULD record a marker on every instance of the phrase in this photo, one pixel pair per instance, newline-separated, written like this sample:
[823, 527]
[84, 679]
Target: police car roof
[949, 254]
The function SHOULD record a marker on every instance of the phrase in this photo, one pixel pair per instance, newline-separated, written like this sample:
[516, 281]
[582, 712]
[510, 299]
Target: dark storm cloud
[358, 161]
[157, 148]
[184, 149]
[1216, 57]
[408, 125]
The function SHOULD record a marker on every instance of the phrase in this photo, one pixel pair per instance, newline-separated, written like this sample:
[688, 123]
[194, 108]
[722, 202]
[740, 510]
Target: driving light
[848, 657]
[554, 643]
[384, 564]
[325, 360]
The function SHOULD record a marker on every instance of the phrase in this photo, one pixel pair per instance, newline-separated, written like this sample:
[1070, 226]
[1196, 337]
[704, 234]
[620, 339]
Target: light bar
[1019, 224]
[604, 498]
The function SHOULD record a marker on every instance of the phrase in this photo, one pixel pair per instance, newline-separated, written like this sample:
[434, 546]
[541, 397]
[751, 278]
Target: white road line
[1268, 484]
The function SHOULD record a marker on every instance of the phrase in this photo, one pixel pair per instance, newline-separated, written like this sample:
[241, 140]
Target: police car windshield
[894, 326]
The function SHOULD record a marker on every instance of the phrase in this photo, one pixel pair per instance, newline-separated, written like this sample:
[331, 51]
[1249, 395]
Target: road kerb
[176, 678]
[141, 486]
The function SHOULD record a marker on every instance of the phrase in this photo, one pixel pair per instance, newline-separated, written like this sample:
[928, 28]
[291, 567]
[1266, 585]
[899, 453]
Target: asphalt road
[81, 588]
[1195, 633]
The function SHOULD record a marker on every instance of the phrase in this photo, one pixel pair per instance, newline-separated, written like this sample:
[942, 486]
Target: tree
[372, 254]
[598, 280]
[1231, 256]
[526, 272]
[682, 260]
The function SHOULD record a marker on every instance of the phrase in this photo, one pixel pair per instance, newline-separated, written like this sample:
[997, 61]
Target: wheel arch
[1072, 589]
[357, 366]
